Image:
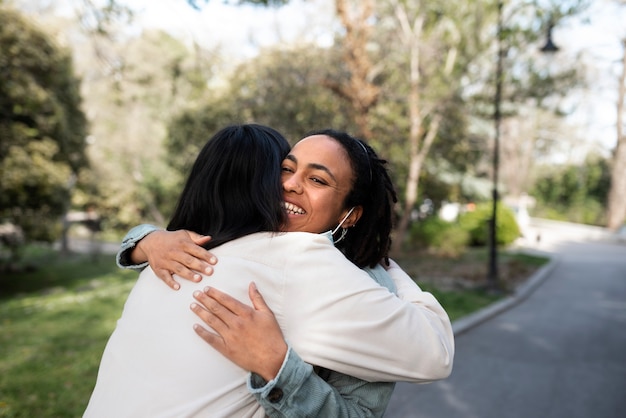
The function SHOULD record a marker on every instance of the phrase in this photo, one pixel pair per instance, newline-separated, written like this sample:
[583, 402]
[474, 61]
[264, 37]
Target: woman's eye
[287, 169]
[318, 180]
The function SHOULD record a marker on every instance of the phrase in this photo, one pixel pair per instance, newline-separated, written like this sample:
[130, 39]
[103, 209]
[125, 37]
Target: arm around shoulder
[340, 319]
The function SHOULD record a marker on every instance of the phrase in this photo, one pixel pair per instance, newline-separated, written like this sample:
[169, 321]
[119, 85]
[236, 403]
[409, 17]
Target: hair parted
[368, 242]
[234, 186]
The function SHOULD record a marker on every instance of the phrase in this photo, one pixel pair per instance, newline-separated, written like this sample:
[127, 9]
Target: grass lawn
[54, 324]
[56, 317]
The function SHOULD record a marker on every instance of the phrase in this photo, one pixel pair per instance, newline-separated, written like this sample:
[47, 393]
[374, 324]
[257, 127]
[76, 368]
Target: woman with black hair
[320, 177]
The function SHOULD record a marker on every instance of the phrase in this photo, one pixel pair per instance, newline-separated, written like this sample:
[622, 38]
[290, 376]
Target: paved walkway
[560, 353]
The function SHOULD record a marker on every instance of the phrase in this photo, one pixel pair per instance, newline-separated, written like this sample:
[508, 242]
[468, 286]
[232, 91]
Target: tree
[154, 77]
[435, 46]
[354, 83]
[293, 103]
[573, 192]
[533, 90]
[616, 212]
[411, 24]
[42, 128]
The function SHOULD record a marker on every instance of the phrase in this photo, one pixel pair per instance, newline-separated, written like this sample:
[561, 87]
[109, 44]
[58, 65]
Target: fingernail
[197, 277]
[176, 286]
[193, 306]
[197, 293]
[208, 270]
[206, 289]
[212, 260]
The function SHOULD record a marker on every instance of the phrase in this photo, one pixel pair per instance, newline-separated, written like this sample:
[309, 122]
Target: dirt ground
[468, 271]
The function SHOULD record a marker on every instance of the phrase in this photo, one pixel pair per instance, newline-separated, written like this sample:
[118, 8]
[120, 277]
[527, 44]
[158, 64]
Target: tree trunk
[417, 157]
[359, 91]
[420, 140]
[617, 195]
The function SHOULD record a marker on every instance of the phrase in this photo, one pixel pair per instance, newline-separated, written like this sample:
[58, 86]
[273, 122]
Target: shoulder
[287, 242]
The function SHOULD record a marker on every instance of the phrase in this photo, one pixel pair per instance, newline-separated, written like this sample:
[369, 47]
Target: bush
[476, 223]
[438, 236]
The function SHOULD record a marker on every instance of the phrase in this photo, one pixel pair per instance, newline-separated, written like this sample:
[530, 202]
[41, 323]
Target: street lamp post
[492, 275]
[549, 47]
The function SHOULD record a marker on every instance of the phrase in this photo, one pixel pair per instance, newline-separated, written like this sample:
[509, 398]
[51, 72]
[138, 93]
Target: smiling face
[317, 177]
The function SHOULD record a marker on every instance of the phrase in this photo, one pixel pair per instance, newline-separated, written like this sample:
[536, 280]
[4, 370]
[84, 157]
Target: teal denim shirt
[297, 390]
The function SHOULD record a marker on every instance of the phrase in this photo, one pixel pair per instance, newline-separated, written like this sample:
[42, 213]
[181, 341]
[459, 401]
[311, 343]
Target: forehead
[322, 150]
[321, 147]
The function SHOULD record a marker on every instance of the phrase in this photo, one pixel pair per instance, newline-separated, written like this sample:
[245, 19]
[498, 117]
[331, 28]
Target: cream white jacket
[331, 312]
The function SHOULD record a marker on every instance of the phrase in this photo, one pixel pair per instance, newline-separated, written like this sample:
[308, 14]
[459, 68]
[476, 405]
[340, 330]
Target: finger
[167, 278]
[214, 340]
[228, 302]
[216, 308]
[191, 264]
[196, 248]
[257, 298]
[184, 272]
[199, 239]
[209, 318]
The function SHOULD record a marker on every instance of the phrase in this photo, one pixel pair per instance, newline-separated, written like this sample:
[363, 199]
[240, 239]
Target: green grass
[460, 303]
[459, 283]
[56, 316]
[55, 321]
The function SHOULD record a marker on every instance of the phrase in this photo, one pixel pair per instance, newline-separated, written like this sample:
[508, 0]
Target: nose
[291, 184]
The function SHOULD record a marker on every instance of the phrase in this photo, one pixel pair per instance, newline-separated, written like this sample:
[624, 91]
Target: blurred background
[503, 122]
[105, 103]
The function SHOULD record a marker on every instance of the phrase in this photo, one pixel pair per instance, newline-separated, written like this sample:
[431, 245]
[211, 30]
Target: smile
[293, 209]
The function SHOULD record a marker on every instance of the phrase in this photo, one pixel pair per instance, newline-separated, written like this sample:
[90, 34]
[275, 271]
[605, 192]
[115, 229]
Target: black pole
[492, 277]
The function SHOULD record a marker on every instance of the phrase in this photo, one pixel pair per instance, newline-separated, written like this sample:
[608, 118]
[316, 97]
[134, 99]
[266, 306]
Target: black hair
[369, 241]
[234, 186]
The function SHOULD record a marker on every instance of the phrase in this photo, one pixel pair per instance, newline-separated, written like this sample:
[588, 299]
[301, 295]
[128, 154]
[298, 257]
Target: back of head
[368, 242]
[234, 186]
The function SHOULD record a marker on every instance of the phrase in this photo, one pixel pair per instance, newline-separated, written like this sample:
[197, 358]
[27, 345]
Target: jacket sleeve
[297, 391]
[337, 318]
[129, 242]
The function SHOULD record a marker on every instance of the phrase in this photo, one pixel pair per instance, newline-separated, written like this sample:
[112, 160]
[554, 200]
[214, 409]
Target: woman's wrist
[270, 368]
[137, 254]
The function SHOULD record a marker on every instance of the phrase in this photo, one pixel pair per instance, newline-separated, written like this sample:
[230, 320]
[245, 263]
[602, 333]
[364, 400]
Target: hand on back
[175, 252]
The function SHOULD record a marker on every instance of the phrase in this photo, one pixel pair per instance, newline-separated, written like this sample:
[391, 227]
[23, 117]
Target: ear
[354, 217]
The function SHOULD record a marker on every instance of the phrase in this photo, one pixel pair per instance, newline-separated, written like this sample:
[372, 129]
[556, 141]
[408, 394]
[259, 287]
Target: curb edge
[522, 292]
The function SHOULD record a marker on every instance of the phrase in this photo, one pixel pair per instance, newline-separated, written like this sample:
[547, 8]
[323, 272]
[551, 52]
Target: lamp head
[549, 47]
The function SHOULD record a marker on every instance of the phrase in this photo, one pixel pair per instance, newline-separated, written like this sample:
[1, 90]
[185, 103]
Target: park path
[560, 353]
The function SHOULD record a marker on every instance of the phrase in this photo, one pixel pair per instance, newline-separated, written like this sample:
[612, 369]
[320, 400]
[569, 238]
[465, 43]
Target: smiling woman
[315, 192]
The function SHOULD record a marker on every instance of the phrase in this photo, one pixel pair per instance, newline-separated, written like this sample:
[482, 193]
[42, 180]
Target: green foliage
[293, 103]
[440, 237]
[574, 193]
[284, 88]
[157, 76]
[136, 85]
[476, 223]
[42, 128]
[189, 131]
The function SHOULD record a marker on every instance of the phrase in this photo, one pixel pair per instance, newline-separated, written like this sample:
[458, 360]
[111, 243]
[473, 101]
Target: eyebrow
[314, 166]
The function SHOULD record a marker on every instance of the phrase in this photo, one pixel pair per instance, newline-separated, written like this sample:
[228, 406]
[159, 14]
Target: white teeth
[293, 209]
